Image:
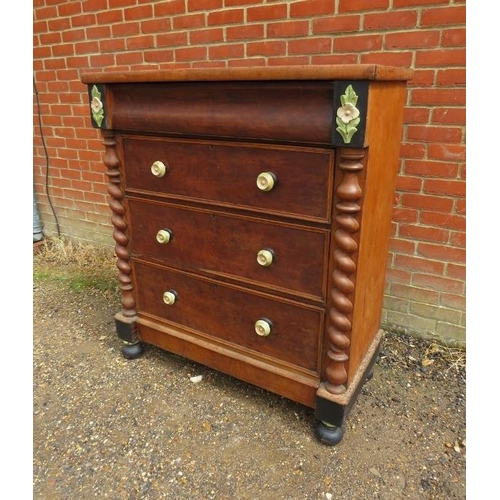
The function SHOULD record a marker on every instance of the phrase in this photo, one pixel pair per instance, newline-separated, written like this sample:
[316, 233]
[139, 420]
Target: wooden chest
[252, 213]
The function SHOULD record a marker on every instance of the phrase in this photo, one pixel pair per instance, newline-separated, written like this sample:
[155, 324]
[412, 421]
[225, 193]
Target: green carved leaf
[355, 122]
[95, 92]
[98, 117]
[343, 133]
[351, 131]
[342, 129]
[351, 96]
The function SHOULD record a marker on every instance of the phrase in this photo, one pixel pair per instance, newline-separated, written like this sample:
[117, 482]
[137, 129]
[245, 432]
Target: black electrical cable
[46, 157]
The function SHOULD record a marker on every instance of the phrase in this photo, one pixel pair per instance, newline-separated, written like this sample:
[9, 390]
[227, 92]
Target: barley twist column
[347, 208]
[125, 320]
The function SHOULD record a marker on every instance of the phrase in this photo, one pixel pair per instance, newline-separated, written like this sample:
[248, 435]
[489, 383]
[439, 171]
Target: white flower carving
[96, 104]
[348, 112]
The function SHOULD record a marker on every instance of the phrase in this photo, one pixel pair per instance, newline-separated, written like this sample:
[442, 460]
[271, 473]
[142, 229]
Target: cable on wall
[46, 157]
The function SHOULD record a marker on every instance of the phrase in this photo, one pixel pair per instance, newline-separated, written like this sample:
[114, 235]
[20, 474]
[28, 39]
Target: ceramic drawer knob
[266, 181]
[263, 327]
[158, 169]
[169, 297]
[163, 236]
[265, 257]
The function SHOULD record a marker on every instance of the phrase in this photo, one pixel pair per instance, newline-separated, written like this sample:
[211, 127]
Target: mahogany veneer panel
[295, 328]
[224, 174]
[211, 242]
[301, 112]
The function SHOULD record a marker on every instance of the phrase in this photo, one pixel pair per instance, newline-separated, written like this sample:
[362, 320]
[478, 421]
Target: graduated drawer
[231, 313]
[226, 174]
[228, 245]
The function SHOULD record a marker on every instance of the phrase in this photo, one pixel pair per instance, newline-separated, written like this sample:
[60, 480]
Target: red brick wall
[426, 270]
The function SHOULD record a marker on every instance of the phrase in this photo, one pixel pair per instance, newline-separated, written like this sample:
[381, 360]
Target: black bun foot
[132, 351]
[329, 434]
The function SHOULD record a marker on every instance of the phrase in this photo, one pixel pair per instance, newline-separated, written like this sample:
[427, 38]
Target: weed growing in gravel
[78, 265]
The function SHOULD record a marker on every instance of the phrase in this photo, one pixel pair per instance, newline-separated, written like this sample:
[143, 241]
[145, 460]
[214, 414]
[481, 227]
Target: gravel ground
[107, 427]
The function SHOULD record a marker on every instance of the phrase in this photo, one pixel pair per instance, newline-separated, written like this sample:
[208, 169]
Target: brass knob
[266, 181]
[265, 257]
[158, 168]
[163, 236]
[169, 297]
[263, 327]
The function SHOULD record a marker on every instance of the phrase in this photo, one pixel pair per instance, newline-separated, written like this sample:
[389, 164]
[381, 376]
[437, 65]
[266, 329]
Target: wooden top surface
[331, 72]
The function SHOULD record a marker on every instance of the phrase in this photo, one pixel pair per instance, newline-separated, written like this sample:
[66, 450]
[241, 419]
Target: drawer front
[229, 245]
[281, 111]
[230, 313]
[227, 175]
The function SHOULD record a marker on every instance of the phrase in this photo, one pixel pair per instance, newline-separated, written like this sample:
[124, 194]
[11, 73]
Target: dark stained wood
[296, 112]
[225, 174]
[295, 328]
[326, 222]
[210, 241]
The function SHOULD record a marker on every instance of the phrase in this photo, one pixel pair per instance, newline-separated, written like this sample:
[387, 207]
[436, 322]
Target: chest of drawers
[252, 212]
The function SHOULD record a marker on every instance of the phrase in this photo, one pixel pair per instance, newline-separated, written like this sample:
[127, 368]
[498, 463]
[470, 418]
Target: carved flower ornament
[348, 115]
[348, 112]
[96, 106]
